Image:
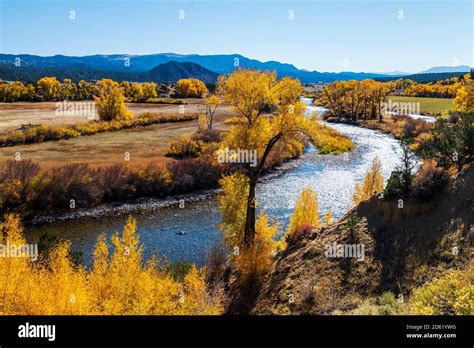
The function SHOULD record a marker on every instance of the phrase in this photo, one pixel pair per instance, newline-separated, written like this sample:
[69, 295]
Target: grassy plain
[428, 106]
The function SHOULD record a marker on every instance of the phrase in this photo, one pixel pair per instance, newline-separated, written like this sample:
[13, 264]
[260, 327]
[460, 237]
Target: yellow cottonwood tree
[306, 211]
[251, 93]
[327, 217]
[49, 87]
[149, 90]
[191, 88]
[111, 105]
[464, 100]
[234, 187]
[372, 183]
[255, 260]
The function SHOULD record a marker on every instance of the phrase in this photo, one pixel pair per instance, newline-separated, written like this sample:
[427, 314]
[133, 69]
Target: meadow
[428, 106]
[13, 115]
[143, 144]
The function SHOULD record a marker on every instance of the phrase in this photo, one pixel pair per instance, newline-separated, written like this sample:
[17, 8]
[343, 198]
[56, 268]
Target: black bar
[225, 330]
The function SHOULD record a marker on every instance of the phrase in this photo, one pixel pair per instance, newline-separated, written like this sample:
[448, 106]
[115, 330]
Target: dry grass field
[12, 115]
[144, 144]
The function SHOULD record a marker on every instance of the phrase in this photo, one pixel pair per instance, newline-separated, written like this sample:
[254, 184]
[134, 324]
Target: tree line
[51, 89]
[447, 88]
[356, 99]
[363, 99]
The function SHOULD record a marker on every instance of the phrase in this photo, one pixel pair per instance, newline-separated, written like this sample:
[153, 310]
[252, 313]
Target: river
[188, 233]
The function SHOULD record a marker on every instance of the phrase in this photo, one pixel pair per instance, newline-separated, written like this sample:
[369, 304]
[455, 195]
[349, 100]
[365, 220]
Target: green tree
[453, 142]
[400, 182]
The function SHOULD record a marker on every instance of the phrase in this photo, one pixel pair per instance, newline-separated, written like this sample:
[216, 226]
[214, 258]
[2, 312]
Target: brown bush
[16, 178]
[207, 136]
[184, 147]
[114, 182]
[19, 170]
[154, 180]
[194, 174]
[215, 265]
[62, 184]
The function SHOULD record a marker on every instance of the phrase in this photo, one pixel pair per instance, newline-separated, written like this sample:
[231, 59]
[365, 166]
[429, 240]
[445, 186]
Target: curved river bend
[188, 233]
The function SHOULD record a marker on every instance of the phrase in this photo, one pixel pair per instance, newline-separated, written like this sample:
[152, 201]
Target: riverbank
[417, 131]
[189, 231]
[151, 204]
[404, 249]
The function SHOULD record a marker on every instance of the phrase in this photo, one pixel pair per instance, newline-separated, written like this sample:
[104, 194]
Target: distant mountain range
[168, 72]
[447, 69]
[163, 67]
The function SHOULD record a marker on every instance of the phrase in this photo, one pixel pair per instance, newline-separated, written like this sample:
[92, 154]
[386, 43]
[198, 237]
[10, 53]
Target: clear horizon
[359, 36]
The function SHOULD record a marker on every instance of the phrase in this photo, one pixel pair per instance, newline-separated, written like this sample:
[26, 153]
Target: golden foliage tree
[355, 99]
[191, 88]
[149, 90]
[373, 182]
[49, 87]
[255, 260]
[251, 93]
[464, 100]
[111, 105]
[119, 283]
[68, 90]
[105, 86]
[327, 218]
[136, 92]
[233, 207]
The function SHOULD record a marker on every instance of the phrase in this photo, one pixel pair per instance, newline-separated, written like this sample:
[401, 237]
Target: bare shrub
[114, 182]
[19, 170]
[61, 185]
[16, 179]
[207, 136]
[194, 174]
[215, 265]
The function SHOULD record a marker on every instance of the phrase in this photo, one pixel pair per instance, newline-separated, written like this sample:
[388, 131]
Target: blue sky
[336, 35]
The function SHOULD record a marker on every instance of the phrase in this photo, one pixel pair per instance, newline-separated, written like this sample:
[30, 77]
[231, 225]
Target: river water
[177, 233]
